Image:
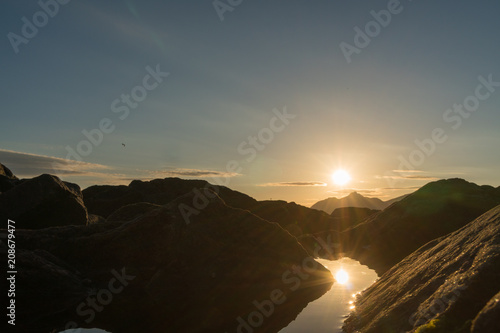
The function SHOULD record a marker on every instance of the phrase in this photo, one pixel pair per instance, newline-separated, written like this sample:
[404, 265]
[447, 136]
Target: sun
[341, 177]
[341, 276]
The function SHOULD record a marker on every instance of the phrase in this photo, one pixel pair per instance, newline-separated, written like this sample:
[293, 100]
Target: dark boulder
[46, 290]
[43, 201]
[348, 217]
[488, 319]
[130, 212]
[436, 209]
[105, 199]
[297, 219]
[7, 179]
[195, 275]
[102, 200]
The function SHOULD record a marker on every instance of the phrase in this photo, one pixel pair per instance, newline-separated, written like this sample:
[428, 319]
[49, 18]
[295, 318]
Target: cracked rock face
[451, 284]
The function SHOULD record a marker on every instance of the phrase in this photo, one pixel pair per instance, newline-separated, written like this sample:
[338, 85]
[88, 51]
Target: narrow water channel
[327, 313]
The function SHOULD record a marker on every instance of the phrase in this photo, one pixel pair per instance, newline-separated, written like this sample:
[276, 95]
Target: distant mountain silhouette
[354, 199]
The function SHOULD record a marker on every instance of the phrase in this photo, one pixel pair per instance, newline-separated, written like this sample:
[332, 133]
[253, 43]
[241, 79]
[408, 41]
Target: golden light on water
[341, 177]
[341, 276]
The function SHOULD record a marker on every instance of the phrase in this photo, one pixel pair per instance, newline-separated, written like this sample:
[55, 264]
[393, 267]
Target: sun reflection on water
[342, 277]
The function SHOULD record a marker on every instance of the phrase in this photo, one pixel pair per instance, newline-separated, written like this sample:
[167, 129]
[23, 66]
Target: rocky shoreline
[187, 256]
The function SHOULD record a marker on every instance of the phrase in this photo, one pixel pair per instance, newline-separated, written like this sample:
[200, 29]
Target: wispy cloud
[191, 173]
[410, 177]
[401, 188]
[307, 183]
[26, 165]
[29, 165]
[407, 171]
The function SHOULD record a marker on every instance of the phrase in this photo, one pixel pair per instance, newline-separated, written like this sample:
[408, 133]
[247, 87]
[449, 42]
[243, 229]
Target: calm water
[327, 313]
[85, 330]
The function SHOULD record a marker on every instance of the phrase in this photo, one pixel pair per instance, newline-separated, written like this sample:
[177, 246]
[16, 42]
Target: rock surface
[450, 284]
[42, 202]
[297, 219]
[7, 179]
[349, 217]
[105, 199]
[488, 319]
[434, 210]
[198, 277]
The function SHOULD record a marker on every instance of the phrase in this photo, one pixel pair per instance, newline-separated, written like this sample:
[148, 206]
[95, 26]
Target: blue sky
[227, 76]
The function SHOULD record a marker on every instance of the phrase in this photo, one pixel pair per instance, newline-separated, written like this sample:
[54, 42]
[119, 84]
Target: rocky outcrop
[434, 210]
[105, 199]
[348, 217]
[7, 179]
[488, 319]
[297, 219]
[451, 284]
[130, 212]
[222, 269]
[45, 287]
[95, 219]
[42, 202]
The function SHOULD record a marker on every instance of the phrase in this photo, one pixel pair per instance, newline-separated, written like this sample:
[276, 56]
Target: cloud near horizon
[32, 165]
[307, 183]
[192, 173]
[409, 177]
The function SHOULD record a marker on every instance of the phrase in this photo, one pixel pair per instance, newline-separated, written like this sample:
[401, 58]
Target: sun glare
[341, 276]
[341, 177]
